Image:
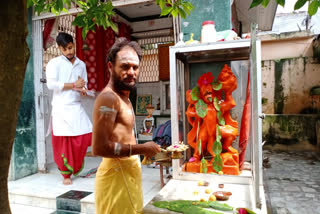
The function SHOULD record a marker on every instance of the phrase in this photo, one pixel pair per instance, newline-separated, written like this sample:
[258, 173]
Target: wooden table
[162, 164]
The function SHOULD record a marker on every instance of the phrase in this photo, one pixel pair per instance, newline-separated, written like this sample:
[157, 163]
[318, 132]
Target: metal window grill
[149, 67]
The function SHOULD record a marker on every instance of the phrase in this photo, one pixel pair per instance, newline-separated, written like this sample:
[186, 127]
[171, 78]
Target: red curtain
[99, 44]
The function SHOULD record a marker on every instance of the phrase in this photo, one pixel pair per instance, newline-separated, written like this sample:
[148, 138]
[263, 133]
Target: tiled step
[23, 209]
[42, 190]
[64, 212]
[71, 201]
[33, 201]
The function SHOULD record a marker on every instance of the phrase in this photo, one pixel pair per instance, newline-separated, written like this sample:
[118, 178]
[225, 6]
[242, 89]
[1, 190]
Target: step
[24, 209]
[45, 190]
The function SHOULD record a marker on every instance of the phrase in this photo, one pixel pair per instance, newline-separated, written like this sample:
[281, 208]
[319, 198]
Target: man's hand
[80, 83]
[151, 149]
[83, 92]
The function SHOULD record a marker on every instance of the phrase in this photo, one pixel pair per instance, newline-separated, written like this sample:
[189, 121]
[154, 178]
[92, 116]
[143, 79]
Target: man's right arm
[105, 111]
[52, 74]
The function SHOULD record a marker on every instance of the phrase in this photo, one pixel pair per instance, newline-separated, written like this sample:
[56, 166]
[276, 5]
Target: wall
[216, 10]
[286, 85]
[286, 45]
[291, 132]
[24, 157]
[289, 72]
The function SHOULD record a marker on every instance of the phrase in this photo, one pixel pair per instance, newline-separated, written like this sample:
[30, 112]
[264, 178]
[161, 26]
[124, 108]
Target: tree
[95, 12]
[14, 56]
[312, 8]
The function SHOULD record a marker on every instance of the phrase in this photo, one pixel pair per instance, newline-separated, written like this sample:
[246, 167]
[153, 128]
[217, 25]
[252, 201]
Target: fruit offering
[212, 198]
[208, 191]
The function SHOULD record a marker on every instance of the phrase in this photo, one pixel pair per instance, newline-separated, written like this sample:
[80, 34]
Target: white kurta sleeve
[52, 77]
[84, 74]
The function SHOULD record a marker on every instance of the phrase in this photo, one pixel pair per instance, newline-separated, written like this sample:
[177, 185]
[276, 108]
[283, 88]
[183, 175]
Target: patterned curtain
[94, 49]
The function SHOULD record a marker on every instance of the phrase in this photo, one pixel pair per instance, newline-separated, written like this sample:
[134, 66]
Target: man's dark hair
[63, 39]
[119, 44]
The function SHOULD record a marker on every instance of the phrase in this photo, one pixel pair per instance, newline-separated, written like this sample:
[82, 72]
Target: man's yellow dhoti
[118, 187]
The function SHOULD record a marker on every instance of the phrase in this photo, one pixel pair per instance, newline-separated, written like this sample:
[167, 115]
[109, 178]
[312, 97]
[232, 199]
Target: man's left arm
[84, 76]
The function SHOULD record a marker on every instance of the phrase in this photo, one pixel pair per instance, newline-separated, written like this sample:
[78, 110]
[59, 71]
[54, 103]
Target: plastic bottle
[208, 32]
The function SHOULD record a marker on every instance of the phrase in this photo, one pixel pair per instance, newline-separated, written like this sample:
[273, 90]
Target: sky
[289, 5]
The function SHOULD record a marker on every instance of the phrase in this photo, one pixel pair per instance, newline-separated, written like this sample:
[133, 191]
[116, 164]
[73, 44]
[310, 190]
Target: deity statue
[213, 130]
[148, 122]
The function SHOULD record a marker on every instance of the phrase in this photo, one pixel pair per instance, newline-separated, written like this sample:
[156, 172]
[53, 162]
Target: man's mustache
[130, 78]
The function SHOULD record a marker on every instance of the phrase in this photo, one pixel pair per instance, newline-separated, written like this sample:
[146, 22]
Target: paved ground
[292, 181]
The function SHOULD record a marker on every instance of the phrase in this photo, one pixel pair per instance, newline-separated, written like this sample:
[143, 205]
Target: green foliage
[204, 165]
[281, 2]
[201, 108]
[217, 147]
[219, 206]
[217, 163]
[195, 93]
[265, 3]
[54, 7]
[216, 85]
[218, 133]
[220, 118]
[216, 104]
[179, 7]
[97, 13]
[199, 147]
[312, 8]
[299, 4]
[192, 207]
[94, 12]
[255, 3]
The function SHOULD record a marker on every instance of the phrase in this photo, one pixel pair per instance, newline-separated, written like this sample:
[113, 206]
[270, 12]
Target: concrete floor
[36, 194]
[292, 182]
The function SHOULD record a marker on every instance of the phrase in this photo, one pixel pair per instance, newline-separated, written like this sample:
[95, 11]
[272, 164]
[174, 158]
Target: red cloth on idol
[69, 152]
[245, 125]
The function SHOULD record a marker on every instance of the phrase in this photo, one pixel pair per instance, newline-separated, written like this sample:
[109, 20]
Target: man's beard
[70, 58]
[120, 85]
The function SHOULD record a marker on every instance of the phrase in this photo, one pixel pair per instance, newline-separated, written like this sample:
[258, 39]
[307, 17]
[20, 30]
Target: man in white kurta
[71, 127]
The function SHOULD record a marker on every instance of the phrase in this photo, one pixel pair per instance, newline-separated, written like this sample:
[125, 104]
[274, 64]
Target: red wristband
[73, 86]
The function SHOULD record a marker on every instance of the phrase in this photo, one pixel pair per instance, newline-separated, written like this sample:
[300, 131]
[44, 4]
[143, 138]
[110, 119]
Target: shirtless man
[118, 180]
